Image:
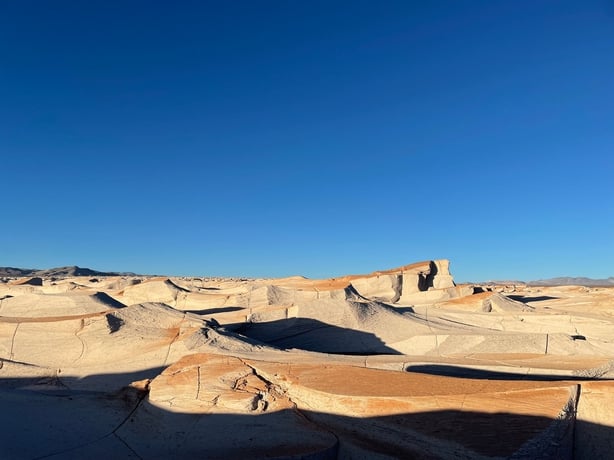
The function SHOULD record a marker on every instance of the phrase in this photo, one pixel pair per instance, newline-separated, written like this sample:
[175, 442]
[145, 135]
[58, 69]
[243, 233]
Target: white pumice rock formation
[399, 363]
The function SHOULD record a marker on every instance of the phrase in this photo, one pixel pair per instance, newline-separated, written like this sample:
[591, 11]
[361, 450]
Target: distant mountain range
[578, 281]
[57, 272]
[560, 281]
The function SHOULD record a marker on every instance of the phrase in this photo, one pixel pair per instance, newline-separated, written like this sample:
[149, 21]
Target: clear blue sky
[319, 138]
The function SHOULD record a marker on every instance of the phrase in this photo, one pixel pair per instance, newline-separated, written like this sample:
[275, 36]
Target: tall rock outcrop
[418, 283]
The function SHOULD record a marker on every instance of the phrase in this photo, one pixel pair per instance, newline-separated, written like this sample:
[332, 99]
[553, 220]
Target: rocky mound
[398, 363]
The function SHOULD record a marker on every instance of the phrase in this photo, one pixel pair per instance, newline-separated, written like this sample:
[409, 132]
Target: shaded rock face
[398, 363]
[34, 281]
[439, 276]
[401, 417]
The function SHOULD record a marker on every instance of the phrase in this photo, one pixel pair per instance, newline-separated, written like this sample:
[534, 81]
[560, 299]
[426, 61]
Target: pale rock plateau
[399, 363]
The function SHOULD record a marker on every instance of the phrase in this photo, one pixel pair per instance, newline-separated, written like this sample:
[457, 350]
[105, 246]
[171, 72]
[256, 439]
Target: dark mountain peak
[58, 272]
[13, 271]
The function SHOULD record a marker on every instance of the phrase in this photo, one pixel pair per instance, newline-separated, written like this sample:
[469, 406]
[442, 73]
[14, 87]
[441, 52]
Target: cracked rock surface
[399, 363]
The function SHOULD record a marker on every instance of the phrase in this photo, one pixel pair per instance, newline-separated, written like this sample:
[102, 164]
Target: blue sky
[316, 138]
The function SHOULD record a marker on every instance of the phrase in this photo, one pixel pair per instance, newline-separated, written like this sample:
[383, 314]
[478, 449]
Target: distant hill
[58, 272]
[12, 271]
[499, 282]
[560, 281]
[577, 281]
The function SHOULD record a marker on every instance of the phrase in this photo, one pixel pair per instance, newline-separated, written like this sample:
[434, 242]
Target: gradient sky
[318, 138]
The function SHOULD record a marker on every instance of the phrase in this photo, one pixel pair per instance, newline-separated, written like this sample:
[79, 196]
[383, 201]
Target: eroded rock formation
[398, 363]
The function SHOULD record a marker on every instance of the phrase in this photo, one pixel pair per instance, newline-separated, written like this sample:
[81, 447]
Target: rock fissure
[197, 382]
[12, 354]
[83, 346]
[174, 339]
[123, 441]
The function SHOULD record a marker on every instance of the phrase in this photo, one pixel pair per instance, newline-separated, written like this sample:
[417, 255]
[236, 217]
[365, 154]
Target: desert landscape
[307, 230]
[399, 363]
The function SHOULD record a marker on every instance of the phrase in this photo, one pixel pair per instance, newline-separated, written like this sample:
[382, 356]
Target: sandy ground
[399, 363]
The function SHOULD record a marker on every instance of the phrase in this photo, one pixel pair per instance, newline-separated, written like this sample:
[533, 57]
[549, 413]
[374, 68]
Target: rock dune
[398, 363]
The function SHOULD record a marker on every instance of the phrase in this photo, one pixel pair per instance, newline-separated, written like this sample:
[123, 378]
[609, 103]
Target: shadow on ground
[124, 424]
[527, 299]
[482, 374]
[313, 335]
[56, 419]
[213, 311]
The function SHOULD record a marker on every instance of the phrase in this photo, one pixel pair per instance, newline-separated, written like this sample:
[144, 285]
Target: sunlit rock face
[398, 363]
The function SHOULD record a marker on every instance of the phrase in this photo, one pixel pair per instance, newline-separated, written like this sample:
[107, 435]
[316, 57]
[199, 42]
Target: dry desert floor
[399, 363]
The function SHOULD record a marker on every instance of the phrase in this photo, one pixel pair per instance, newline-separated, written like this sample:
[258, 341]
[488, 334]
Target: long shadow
[404, 310]
[125, 424]
[526, 299]
[213, 311]
[482, 374]
[313, 335]
[59, 384]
